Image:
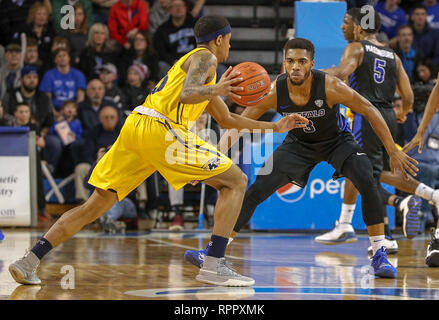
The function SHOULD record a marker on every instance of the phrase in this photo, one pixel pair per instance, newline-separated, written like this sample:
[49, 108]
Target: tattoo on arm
[197, 76]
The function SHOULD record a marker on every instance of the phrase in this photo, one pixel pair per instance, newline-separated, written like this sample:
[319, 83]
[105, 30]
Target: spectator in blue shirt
[60, 138]
[432, 13]
[408, 54]
[63, 82]
[392, 16]
[425, 38]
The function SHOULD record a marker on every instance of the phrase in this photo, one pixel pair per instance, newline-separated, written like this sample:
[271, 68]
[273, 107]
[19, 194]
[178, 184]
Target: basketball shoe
[215, 271]
[24, 270]
[177, 223]
[381, 266]
[342, 233]
[432, 258]
[196, 257]
[112, 226]
[409, 208]
[390, 244]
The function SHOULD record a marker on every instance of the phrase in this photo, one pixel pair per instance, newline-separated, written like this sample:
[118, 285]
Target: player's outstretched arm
[351, 59]
[201, 70]
[338, 92]
[431, 108]
[405, 90]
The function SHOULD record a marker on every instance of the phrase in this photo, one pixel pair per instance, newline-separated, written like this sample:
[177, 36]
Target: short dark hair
[209, 24]
[404, 26]
[67, 102]
[419, 6]
[352, 11]
[19, 104]
[358, 17]
[55, 53]
[300, 43]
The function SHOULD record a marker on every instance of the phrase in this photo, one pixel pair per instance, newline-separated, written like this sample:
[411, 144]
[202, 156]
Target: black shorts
[296, 159]
[369, 141]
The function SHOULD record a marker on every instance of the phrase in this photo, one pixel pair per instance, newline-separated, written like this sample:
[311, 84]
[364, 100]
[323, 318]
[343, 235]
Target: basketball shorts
[147, 144]
[369, 141]
[296, 159]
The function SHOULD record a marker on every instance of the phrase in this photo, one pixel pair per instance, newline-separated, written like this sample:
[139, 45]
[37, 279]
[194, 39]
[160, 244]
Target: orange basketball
[256, 83]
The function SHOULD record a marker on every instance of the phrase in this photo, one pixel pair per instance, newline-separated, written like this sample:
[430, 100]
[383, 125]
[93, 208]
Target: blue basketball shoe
[381, 266]
[196, 257]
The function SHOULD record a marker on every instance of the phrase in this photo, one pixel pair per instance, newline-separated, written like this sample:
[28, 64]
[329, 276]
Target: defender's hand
[224, 87]
[290, 122]
[400, 161]
[401, 117]
[418, 140]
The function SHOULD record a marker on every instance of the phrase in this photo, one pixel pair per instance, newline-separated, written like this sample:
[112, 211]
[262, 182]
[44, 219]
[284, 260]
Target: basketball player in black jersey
[316, 96]
[375, 71]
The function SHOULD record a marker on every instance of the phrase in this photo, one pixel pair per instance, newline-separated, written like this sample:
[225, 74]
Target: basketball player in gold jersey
[156, 136]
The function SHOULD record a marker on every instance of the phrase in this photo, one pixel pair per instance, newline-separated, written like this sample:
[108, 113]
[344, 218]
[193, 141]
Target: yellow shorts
[147, 144]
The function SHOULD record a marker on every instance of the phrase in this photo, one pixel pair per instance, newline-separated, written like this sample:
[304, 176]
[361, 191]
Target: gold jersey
[165, 98]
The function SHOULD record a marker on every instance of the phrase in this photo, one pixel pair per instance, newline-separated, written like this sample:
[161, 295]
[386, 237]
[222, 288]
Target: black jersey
[325, 123]
[376, 77]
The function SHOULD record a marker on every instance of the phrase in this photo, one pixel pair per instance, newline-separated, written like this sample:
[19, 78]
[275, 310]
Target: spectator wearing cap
[57, 14]
[108, 76]
[40, 28]
[10, 71]
[98, 51]
[102, 135]
[174, 38]
[126, 17]
[63, 82]
[135, 90]
[392, 16]
[88, 111]
[425, 38]
[28, 93]
[141, 52]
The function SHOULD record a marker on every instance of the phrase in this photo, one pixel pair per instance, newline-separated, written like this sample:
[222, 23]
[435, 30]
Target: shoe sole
[224, 283]
[433, 260]
[411, 223]
[176, 228]
[387, 273]
[389, 251]
[338, 241]
[192, 260]
[18, 276]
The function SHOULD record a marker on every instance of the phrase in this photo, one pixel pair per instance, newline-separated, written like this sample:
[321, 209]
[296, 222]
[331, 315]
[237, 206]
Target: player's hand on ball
[290, 122]
[401, 161]
[418, 140]
[225, 84]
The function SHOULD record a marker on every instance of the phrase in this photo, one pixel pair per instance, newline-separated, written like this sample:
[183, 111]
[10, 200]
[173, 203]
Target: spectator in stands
[392, 16]
[158, 14]
[88, 111]
[124, 209]
[175, 37]
[425, 38]
[22, 114]
[63, 82]
[39, 27]
[108, 76]
[65, 131]
[432, 7]
[58, 43]
[78, 36]
[125, 19]
[195, 7]
[423, 85]
[141, 52]
[10, 71]
[408, 54]
[98, 51]
[102, 135]
[28, 93]
[57, 15]
[6, 120]
[13, 16]
[31, 56]
[135, 91]
[101, 9]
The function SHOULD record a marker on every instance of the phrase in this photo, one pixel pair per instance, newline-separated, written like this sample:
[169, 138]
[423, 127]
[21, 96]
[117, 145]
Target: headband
[214, 35]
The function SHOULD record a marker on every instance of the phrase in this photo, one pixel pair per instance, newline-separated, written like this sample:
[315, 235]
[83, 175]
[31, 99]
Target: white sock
[436, 234]
[424, 191]
[377, 242]
[347, 212]
[230, 241]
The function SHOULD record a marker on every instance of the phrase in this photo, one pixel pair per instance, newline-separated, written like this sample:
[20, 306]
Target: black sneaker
[432, 258]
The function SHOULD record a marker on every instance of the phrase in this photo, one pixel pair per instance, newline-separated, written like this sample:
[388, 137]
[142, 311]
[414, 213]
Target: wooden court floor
[150, 266]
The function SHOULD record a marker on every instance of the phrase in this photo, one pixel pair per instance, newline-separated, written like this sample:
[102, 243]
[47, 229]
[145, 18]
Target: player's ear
[219, 40]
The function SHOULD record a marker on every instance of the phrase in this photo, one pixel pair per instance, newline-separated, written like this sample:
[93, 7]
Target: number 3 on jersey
[309, 127]
[379, 72]
[161, 86]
